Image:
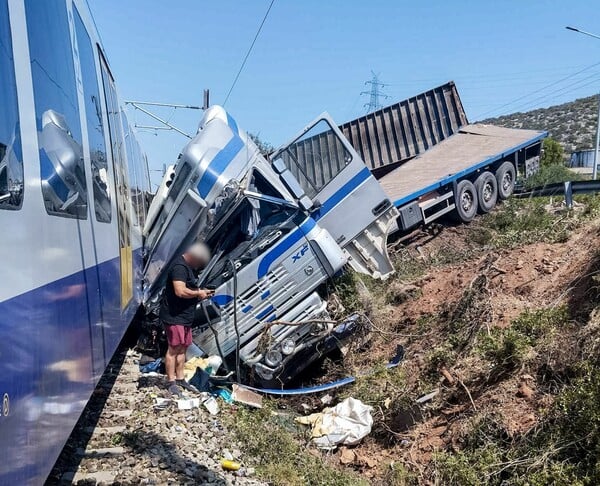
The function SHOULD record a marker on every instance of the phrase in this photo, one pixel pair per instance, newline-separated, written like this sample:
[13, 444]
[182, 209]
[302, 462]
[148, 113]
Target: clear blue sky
[315, 55]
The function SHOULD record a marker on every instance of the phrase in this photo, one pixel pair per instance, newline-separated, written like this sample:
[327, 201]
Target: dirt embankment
[453, 306]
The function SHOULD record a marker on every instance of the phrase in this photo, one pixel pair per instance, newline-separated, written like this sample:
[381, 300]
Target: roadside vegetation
[278, 446]
[499, 321]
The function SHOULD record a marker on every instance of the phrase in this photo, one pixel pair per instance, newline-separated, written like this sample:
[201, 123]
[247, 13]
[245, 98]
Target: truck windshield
[316, 157]
[246, 224]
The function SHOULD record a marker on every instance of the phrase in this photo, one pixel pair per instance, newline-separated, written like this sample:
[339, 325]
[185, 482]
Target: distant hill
[573, 124]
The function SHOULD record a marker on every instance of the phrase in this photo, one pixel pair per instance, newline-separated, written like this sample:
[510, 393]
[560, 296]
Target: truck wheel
[487, 191]
[465, 200]
[506, 177]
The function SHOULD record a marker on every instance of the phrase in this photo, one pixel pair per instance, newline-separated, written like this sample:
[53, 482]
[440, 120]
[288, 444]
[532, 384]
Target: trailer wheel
[465, 200]
[506, 177]
[487, 191]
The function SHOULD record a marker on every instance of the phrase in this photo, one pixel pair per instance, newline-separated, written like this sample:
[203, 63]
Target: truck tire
[465, 200]
[506, 177]
[487, 191]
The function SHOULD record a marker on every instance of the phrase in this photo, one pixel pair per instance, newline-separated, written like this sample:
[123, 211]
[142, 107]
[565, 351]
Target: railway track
[122, 439]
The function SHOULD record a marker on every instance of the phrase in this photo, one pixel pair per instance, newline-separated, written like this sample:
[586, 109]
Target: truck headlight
[273, 357]
[288, 346]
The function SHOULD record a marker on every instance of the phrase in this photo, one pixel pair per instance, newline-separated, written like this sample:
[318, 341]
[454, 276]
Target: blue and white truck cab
[278, 231]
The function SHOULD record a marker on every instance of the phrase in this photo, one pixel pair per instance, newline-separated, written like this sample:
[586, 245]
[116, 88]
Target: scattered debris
[155, 366]
[428, 397]
[241, 394]
[211, 405]
[230, 465]
[524, 391]
[188, 403]
[346, 423]
[347, 456]
[447, 375]
[326, 399]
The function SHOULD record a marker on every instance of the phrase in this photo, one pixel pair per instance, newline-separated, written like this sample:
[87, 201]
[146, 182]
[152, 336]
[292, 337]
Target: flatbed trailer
[425, 187]
[430, 161]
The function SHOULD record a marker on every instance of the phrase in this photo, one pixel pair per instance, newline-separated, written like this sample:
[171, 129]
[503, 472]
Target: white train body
[73, 192]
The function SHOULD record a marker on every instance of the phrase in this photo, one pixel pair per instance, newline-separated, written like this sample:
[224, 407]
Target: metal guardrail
[568, 188]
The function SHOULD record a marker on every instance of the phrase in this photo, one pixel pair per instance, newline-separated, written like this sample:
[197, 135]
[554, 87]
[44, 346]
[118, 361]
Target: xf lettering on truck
[299, 254]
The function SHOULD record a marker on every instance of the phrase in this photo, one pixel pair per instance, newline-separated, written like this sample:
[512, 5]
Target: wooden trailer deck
[471, 148]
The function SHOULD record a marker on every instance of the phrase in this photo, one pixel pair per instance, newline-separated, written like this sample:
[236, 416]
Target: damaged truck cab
[278, 230]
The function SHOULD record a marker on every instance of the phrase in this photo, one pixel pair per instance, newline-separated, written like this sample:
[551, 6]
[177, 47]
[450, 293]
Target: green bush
[468, 468]
[525, 221]
[508, 348]
[346, 289]
[552, 154]
[551, 174]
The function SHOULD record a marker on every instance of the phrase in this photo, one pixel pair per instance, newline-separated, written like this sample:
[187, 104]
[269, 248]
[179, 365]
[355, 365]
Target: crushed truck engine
[278, 229]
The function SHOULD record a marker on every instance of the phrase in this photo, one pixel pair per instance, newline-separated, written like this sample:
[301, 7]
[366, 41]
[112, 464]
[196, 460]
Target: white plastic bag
[346, 423]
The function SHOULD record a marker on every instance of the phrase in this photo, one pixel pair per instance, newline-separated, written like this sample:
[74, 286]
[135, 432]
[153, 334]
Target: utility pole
[595, 172]
[596, 148]
[374, 94]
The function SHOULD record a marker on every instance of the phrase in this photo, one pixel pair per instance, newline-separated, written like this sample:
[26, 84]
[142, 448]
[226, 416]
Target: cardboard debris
[347, 456]
[241, 394]
[211, 405]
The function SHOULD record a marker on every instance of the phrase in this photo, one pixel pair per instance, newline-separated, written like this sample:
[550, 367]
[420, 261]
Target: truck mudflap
[367, 251]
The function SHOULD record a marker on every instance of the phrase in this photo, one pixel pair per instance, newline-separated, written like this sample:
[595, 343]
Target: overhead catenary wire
[564, 90]
[505, 75]
[554, 96]
[543, 88]
[248, 53]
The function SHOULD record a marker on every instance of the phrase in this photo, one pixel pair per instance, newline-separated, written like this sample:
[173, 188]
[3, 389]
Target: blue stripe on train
[51, 359]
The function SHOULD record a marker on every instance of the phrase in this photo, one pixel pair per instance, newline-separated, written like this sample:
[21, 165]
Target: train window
[93, 116]
[56, 109]
[11, 159]
[132, 165]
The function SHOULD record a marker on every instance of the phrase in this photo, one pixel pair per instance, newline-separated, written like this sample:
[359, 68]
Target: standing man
[177, 311]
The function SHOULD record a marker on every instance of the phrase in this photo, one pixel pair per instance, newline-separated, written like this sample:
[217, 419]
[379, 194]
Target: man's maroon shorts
[178, 335]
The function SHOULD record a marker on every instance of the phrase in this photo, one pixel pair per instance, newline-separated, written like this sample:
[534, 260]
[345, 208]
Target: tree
[552, 154]
[265, 147]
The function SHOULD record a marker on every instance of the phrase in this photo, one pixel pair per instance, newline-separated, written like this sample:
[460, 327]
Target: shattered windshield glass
[245, 223]
[252, 227]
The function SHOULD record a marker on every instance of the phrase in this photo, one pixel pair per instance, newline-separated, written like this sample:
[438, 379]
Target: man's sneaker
[174, 390]
[186, 386]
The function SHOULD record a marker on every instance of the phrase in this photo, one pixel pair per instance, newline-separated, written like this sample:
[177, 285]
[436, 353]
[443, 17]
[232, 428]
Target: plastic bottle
[230, 465]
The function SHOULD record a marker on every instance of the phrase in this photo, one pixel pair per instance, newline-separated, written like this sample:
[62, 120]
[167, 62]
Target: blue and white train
[87, 249]
[74, 188]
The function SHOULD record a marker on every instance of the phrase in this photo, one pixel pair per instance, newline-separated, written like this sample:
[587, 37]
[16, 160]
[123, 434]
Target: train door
[98, 223]
[121, 183]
